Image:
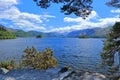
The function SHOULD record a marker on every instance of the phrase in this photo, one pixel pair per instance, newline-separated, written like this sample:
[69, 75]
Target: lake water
[81, 54]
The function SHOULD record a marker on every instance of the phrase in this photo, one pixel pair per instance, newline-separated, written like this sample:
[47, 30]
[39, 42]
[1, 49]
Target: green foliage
[83, 36]
[112, 46]
[33, 59]
[114, 3]
[7, 64]
[80, 8]
[21, 33]
[39, 60]
[38, 36]
[4, 34]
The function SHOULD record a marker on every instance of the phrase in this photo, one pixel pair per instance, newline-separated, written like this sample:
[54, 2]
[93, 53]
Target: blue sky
[25, 15]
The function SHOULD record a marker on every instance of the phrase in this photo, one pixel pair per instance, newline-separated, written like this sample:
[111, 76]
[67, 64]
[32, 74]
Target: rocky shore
[80, 75]
[54, 74]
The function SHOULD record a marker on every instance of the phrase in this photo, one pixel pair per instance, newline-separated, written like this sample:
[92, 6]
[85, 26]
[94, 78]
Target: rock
[63, 75]
[93, 76]
[3, 71]
[9, 78]
[75, 75]
[115, 76]
[64, 69]
[113, 69]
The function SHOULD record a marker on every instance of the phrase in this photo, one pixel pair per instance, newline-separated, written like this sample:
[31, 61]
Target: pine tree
[81, 8]
[112, 46]
[39, 60]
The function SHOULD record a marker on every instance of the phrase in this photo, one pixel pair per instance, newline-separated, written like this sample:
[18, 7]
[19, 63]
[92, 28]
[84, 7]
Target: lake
[78, 53]
[81, 54]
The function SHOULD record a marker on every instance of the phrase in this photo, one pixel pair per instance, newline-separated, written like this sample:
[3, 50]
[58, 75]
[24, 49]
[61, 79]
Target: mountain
[101, 32]
[5, 34]
[78, 33]
[21, 33]
[54, 34]
[94, 32]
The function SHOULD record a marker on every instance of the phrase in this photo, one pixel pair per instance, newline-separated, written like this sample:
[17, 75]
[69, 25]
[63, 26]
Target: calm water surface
[69, 51]
[81, 54]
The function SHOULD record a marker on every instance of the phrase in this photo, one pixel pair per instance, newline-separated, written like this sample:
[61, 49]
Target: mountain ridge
[91, 32]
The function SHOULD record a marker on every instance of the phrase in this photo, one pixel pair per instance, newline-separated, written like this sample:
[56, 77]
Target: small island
[38, 36]
[83, 36]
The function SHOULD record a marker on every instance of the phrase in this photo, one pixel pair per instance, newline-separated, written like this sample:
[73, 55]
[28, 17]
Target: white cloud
[7, 3]
[22, 20]
[48, 16]
[93, 15]
[30, 21]
[115, 11]
[93, 21]
[29, 26]
[68, 19]
[106, 22]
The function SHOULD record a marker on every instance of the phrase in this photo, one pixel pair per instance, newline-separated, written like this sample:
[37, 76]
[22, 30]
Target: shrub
[38, 36]
[39, 60]
[33, 59]
[8, 64]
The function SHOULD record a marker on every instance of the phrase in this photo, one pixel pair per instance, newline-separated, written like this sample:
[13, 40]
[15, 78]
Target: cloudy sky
[25, 15]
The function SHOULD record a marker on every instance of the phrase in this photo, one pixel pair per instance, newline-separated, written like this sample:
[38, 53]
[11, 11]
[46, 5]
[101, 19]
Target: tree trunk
[119, 61]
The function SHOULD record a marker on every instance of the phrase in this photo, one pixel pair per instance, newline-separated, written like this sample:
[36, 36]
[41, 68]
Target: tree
[39, 60]
[80, 8]
[114, 3]
[112, 46]
[38, 36]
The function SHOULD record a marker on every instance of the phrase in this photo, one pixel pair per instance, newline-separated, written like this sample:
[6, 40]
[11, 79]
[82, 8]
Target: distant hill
[21, 33]
[77, 33]
[5, 34]
[54, 34]
[94, 32]
[101, 32]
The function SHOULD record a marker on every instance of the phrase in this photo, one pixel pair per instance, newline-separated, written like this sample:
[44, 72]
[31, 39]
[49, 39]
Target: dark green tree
[80, 8]
[39, 60]
[112, 46]
[114, 3]
[38, 36]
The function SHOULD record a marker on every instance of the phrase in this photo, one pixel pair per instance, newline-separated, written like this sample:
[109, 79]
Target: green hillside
[21, 33]
[5, 34]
